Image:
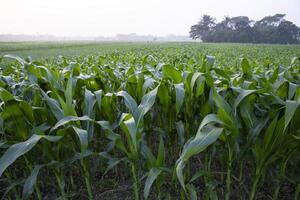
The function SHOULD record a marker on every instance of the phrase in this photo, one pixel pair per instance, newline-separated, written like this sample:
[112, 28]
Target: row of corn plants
[185, 128]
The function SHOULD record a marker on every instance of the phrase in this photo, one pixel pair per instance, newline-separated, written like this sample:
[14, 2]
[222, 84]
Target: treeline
[270, 29]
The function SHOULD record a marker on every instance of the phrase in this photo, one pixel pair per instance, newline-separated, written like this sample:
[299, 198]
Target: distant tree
[270, 29]
[236, 29]
[223, 31]
[203, 29]
[288, 33]
[243, 32]
[266, 29]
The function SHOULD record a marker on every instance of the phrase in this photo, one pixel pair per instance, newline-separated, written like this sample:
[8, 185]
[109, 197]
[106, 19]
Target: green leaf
[30, 182]
[161, 153]
[163, 95]
[148, 83]
[209, 80]
[210, 118]
[220, 102]
[69, 92]
[222, 73]
[199, 143]
[292, 90]
[244, 63]
[269, 134]
[27, 110]
[98, 95]
[131, 129]
[129, 101]
[147, 102]
[172, 73]
[179, 172]
[290, 109]
[146, 152]
[5, 95]
[152, 175]
[179, 91]
[210, 61]
[243, 94]
[19, 149]
[192, 192]
[200, 86]
[69, 119]
[226, 119]
[54, 106]
[83, 138]
[2, 143]
[180, 131]
[89, 102]
[204, 137]
[77, 156]
[48, 72]
[194, 79]
[17, 58]
[111, 161]
[274, 76]
[199, 173]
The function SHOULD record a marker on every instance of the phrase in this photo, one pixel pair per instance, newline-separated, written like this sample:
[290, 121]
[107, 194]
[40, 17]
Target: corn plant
[176, 124]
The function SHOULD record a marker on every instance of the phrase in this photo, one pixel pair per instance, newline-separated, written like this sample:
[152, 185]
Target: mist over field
[108, 19]
[117, 38]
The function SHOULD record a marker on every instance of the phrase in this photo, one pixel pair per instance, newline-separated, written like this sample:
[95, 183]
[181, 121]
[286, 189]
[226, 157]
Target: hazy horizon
[111, 17]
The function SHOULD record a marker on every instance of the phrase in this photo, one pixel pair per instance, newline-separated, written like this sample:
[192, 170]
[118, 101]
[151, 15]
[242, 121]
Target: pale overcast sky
[110, 17]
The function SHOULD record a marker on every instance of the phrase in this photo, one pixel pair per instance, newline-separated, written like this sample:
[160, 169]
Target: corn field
[184, 128]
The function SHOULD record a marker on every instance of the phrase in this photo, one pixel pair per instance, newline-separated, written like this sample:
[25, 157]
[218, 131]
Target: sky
[111, 17]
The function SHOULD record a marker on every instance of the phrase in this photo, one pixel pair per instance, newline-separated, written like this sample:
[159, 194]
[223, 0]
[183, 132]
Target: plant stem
[135, 183]
[87, 180]
[297, 192]
[60, 185]
[276, 192]
[253, 189]
[228, 176]
[38, 192]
